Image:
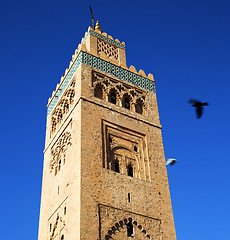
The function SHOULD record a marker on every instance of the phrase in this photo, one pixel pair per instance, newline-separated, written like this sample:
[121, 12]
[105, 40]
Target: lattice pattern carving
[57, 222]
[63, 107]
[107, 48]
[57, 228]
[58, 152]
[120, 93]
[107, 67]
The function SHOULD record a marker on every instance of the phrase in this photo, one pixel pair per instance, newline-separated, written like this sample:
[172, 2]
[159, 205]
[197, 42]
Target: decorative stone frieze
[58, 152]
[137, 98]
[63, 106]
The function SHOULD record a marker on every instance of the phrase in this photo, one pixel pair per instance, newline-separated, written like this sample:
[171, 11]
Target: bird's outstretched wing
[171, 161]
[199, 106]
[205, 104]
[193, 101]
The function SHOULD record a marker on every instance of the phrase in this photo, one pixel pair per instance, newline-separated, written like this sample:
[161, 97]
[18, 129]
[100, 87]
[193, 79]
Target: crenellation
[132, 69]
[83, 48]
[110, 37]
[66, 71]
[49, 100]
[70, 64]
[57, 86]
[142, 73]
[86, 33]
[104, 34]
[115, 56]
[104, 171]
[150, 76]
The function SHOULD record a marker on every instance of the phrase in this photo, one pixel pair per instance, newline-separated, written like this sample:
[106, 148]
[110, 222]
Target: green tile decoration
[103, 66]
[106, 39]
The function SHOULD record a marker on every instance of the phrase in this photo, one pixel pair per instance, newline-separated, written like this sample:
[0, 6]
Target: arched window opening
[98, 92]
[116, 166]
[130, 229]
[66, 107]
[59, 116]
[113, 97]
[126, 102]
[62, 237]
[139, 107]
[64, 210]
[59, 165]
[130, 170]
[71, 96]
[50, 227]
[54, 123]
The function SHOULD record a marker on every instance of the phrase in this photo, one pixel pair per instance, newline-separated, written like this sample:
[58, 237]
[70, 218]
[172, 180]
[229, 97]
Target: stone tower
[104, 173]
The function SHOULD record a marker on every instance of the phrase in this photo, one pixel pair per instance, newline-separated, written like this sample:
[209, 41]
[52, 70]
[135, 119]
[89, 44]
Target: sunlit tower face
[103, 157]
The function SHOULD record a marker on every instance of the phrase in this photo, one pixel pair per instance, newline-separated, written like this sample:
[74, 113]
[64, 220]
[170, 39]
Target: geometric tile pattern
[118, 72]
[64, 84]
[106, 67]
[106, 39]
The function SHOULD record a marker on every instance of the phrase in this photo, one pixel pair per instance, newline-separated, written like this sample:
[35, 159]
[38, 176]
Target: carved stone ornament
[63, 106]
[121, 90]
[59, 149]
[59, 221]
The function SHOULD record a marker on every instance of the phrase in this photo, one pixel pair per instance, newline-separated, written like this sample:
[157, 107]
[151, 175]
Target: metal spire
[92, 17]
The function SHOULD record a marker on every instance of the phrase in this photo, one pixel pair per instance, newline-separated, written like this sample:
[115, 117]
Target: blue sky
[185, 44]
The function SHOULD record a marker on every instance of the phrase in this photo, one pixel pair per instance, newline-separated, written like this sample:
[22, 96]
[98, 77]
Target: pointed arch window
[59, 165]
[126, 102]
[113, 97]
[59, 115]
[66, 107]
[130, 170]
[129, 229]
[116, 166]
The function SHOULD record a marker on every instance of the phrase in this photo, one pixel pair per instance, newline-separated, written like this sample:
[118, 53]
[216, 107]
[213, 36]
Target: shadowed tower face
[104, 173]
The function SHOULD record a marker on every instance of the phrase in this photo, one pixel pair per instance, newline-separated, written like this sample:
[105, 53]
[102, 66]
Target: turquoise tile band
[103, 66]
[106, 39]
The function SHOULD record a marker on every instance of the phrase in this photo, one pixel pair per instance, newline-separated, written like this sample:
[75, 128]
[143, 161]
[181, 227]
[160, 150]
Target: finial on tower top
[98, 26]
[92, 17]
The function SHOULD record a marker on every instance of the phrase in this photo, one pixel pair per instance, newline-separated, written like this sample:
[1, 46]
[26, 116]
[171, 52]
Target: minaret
[104, 173]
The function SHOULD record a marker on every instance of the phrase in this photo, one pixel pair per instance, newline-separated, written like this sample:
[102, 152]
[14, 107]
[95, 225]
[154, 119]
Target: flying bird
[171, 161]
[199, 107]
